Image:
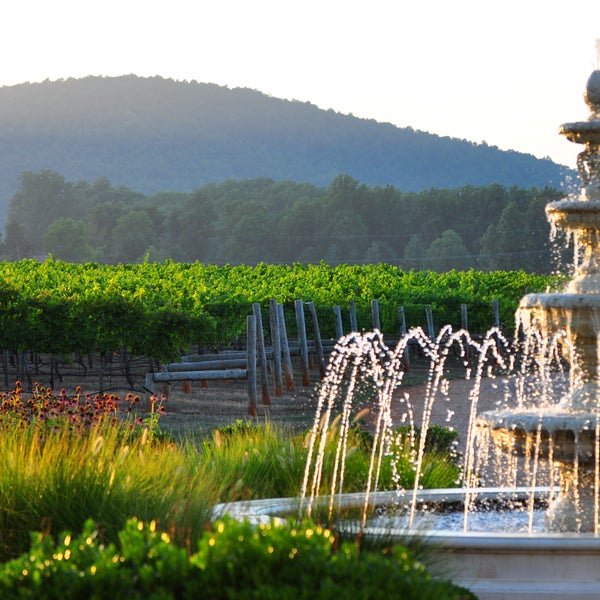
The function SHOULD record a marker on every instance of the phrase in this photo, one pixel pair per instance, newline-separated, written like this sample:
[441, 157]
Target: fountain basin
[493, 565]
[561, 436]
[576, 314]
[561, 306]
[574, 214]
[582, 132]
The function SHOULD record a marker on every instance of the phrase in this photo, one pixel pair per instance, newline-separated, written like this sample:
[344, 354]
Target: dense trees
[261, 220]
[67, 239]
[448, 252]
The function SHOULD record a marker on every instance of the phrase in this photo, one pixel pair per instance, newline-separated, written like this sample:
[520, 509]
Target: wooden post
[403, 331]
[276, 345]
[27, 372]
[339, 328]
[375, 315]
[101, 373]
[496, 309]
[287, 359]
[353, 321]
[318, 341]
[251, 365]
[430, 328]
[186, 386]
[402, 319]
[5, 364]
[262, 355]
[464, 321]
[299, 306]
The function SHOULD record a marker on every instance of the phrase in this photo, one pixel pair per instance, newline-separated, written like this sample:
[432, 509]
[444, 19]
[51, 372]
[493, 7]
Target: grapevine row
[158, 309]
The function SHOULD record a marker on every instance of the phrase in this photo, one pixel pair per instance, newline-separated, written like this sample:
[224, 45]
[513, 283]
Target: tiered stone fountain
[568, 434]
[564, 560]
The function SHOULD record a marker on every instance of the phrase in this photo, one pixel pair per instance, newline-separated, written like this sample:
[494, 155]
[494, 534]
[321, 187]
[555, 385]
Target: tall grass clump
[247, 461]
[56, 472]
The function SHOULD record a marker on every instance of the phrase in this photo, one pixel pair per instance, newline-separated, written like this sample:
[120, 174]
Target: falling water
[528, 372]
[363, 361]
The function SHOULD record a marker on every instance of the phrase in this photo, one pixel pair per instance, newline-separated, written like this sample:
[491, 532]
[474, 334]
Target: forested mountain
[152, 134]
[263, 220]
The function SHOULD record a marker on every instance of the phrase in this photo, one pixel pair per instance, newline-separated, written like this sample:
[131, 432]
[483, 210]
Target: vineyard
[158, 310]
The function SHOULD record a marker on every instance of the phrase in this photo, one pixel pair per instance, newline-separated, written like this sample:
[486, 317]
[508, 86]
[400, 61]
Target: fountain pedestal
[568, 434]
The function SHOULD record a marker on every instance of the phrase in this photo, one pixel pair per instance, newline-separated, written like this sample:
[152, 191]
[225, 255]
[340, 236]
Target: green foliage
[234, 560]
[263, 220]
[57, 307]
[440, 467]
[156, 309]
[132, 236]
[249, 461]
[440, 464]
[64, 460]
[55, 476]
[67, 239]
[447, 252]
[439, 439]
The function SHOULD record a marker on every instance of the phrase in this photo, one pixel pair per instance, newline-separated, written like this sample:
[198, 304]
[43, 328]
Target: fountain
[557, 440]
[570, 431]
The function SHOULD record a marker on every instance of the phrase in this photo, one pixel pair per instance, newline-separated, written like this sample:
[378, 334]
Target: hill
[154, 134]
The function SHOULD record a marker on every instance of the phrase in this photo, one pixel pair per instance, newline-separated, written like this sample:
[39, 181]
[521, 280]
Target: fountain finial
[588, 132]
[592, 95]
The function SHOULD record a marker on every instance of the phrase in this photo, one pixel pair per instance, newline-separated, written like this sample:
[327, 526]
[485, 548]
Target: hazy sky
[508, 73]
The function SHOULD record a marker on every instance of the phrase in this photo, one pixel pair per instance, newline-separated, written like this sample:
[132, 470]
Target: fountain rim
[551, 419]
[573, 205]
[582, 132]
[562, 300]
[592, 125]
[269, 510]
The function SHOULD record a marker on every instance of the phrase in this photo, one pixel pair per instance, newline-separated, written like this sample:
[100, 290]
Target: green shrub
[234, 560]
[439, 469]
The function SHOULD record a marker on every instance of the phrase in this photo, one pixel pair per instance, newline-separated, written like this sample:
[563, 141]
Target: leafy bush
[234, 560]
[439, 469]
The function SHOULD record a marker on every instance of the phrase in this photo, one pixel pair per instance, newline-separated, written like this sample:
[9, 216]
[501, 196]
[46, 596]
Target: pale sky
[507, 73]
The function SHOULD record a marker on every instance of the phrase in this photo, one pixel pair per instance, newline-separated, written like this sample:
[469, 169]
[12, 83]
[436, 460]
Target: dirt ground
[202, 408]
[223, 403]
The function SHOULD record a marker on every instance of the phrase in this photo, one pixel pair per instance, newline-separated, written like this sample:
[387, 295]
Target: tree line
[262, 220]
